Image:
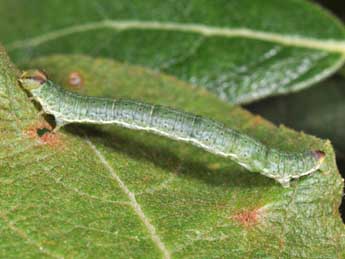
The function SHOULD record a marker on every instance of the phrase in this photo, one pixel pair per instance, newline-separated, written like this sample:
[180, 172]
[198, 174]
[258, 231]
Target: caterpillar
[68, 107]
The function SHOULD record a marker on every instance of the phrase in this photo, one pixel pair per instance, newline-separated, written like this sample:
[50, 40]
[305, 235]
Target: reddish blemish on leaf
[42, 131]
[258, 120]
[75, 80]
[281, 243]
[247, 218]
[146, 178]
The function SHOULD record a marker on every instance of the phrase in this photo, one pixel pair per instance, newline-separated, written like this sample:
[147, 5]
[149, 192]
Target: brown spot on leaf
[42, 131]
[247, 218]
[281, 243]
[258, 120]
[75, 79]
[146, 178]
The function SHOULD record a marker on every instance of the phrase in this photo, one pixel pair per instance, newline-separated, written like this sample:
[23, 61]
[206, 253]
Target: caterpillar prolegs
[68, 107]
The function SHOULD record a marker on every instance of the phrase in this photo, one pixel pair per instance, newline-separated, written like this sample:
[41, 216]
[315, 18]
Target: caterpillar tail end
[319, 156]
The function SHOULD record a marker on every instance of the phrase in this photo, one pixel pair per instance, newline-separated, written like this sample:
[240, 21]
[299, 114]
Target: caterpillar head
[32, 79]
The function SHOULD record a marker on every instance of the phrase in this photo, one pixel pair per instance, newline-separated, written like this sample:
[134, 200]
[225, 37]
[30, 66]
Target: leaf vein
[24, 236]
[135, 205]
[205, 30]
[86, 195]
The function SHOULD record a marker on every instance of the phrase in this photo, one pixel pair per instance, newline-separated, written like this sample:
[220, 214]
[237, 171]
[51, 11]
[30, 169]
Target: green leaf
[319, 111]
[110, 192]
[239, 50]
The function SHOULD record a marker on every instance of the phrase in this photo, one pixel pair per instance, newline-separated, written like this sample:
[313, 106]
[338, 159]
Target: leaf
[239, 50]
[318, 111]
[111, 192]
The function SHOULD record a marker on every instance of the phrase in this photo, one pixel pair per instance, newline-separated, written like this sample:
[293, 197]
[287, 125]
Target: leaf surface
[111, 192]
[239, 50]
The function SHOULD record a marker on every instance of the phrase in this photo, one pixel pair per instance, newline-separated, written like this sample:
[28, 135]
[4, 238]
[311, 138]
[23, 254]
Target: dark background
[337, 7]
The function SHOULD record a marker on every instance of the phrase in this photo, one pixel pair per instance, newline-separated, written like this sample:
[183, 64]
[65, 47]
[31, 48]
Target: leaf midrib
[132, 201]
[333, 46]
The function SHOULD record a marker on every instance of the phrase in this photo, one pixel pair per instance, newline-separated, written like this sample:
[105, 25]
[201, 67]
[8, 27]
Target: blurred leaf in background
[239, 50]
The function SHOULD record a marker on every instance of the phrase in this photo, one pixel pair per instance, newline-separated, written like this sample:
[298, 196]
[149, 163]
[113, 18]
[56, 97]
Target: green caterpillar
[68, 107]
